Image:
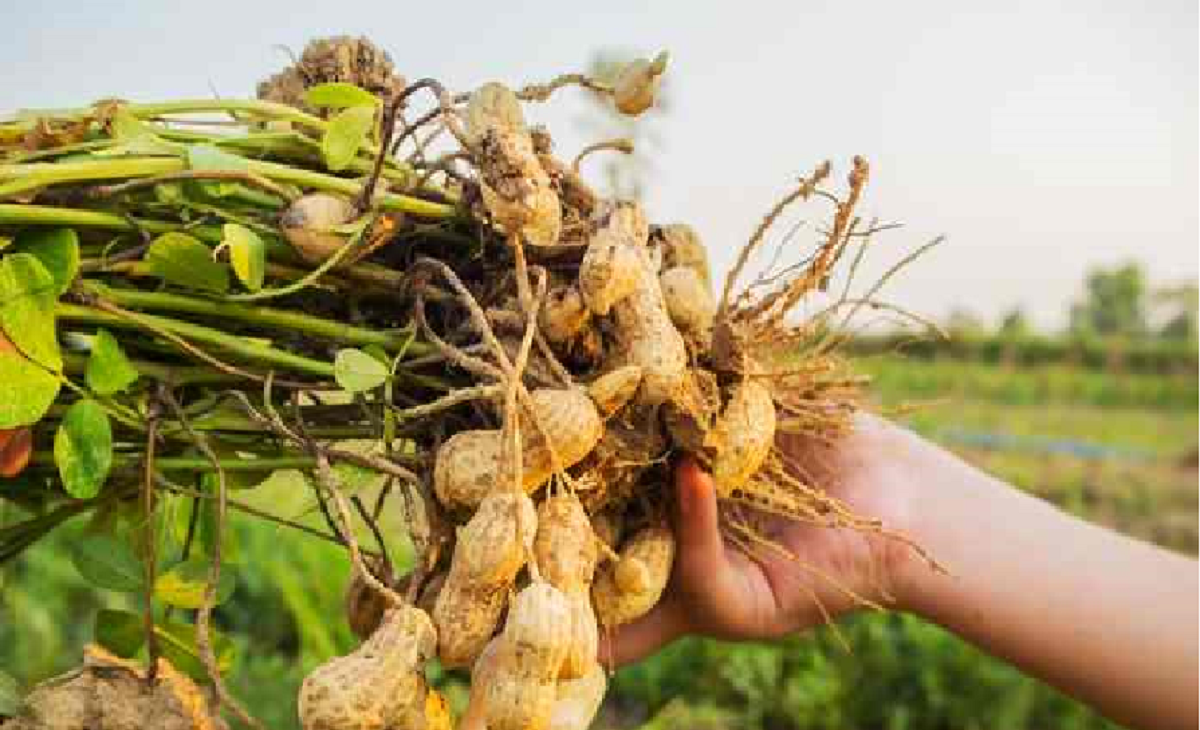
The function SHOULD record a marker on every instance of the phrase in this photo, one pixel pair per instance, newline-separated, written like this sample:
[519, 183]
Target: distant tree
[1180, 302]
[963, 322]
[1014, 323]
[624, 175]
[1114, 303]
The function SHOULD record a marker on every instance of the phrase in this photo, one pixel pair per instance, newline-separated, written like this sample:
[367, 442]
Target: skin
[1105, 618]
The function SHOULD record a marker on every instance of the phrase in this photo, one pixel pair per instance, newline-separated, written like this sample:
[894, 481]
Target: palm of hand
[718, 590]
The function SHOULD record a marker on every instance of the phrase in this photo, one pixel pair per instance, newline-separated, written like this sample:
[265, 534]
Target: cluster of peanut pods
[560, 528]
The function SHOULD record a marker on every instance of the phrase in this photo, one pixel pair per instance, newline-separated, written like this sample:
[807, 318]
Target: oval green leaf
[177, 642]
[185, 583]
[182, 260]
[124, 126]
[108, 370]
[121, 632]
[247, 253]
[345, 135]
[339, 95]
[108, 562]
[357, 371]
[57, 249]
[29, 390]
[83, 449]
[27, 298]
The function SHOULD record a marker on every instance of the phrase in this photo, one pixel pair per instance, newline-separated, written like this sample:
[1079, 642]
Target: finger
[644, 636]
[697, 526]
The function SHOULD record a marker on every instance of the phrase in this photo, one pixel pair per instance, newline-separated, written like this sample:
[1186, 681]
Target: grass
[286, 614]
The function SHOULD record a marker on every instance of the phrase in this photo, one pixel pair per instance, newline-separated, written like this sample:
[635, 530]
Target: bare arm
[1105, 618]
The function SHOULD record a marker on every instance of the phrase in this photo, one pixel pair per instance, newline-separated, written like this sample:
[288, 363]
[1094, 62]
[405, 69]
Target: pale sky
[1041, 137]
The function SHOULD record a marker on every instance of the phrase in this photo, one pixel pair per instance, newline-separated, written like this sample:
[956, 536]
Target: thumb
[697, 528]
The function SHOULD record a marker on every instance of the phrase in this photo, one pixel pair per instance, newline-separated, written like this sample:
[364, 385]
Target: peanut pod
[490, 551]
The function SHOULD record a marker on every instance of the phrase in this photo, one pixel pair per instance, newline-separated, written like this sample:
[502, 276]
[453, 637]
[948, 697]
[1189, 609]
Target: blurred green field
[1119, 449]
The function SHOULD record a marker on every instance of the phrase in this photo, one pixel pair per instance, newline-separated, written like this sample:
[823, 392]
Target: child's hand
[717, 590]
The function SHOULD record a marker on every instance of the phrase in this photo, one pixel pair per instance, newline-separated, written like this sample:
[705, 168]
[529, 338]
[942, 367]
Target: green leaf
[357, 371]
[136, 137]
[345, 135]
[339, 95]
[27, 297]
[10, 695]
[182, 260]
[108, 562]
[211, 157]
[121, 632]
[29, 390]
[185, 583]
[353, 478]
[83, 449]
[177, 641]
[57, 249]
[247, 253]
[124, 126]
[108, 370]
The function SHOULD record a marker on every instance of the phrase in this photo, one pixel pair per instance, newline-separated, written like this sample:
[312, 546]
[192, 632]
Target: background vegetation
[1112, 445]
[1100, 419]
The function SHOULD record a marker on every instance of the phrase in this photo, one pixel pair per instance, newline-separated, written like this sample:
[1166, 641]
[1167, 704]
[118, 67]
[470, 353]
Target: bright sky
[1042, 137]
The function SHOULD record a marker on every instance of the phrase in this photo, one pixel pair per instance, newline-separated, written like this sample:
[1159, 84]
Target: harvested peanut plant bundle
[196, 294]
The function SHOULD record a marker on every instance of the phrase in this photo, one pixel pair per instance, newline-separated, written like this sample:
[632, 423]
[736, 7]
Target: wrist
[936, 494]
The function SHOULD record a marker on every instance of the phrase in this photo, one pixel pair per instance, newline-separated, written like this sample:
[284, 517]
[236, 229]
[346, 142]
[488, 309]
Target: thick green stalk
[49, 215]
[386, 201]
[174, 374]
[254, 352]
[199, 463]
[257, 107]
[253, 314]
[30, 176]
[23, 177]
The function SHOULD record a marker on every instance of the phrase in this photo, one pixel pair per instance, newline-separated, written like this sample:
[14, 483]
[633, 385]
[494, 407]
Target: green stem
[198, 463]
[253, 314]
[329, 183]
[255, 352]
[174, 374]
[27, 176]
[257, 107]
[23, 177]
[49, 215]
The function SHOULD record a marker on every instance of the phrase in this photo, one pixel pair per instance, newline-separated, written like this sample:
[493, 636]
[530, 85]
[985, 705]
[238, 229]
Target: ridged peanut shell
[466, 467]
[488, 554]
[578, 700]
[378, 686]
[493, 106]
[689, 303]
[743, 435]
[681, 246]
[565, 546]
[645, 565]
[647, 338]
[616, 388]
[521, 693]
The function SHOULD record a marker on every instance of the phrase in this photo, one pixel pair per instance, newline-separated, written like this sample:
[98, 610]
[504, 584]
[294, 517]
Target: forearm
[1105, 618]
